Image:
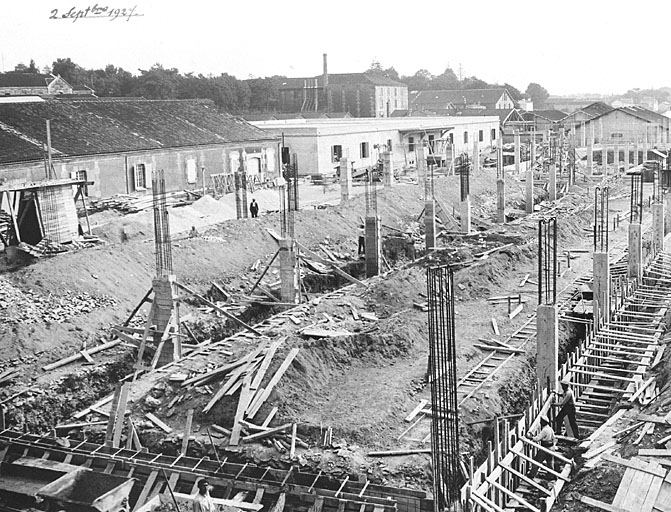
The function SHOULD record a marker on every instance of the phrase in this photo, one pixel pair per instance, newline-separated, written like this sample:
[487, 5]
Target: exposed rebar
[464, 176]
[447, 477]
[161, 226]
[601, 201]
[636, 199]
[547, 261]
[370, 191]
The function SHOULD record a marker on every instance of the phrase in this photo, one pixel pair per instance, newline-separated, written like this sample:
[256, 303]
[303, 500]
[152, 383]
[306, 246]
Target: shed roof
[24, 80]
[101, 126]
[459, 97]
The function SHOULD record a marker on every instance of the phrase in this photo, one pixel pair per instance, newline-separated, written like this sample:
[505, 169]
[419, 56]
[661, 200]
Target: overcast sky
[573, 46]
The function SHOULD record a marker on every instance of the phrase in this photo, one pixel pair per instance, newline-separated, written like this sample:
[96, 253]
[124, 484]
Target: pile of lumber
[46, 247]
[246, 375]
[129, 203]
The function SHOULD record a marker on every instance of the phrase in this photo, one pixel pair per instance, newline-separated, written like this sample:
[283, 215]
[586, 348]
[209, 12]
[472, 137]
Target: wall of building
[617, 126]
[23, 91]
[122, 173]
[388, 99]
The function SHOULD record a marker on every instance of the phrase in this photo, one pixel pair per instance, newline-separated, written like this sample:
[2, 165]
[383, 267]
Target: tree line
[231, 94]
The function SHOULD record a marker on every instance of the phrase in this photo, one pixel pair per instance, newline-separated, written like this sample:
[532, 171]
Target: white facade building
[320, 143]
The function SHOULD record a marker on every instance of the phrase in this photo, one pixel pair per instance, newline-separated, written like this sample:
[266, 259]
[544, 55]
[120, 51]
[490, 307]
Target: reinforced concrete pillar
[373, 246]
[465, 211]
[501, 200]
[658, 227]
[601, 289]
[590, 159]
[547, 344]
[667, 218]
[553, 182]
[604, 159]
[420, 157]
[345, 180]
[635, 260]
[166, 307]
[288, 270]
[627, 165]
[529, 198]
[517, 153]
[532, 152]
[387, 169]
[476, 157]
[430, 224]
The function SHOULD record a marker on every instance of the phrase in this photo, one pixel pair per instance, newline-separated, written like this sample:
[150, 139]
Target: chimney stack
[326, 72]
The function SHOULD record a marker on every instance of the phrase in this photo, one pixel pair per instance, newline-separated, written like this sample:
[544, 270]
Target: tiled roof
[92, 127]
[597, 108]
[550, 115]
[643, 113]
[458, 97]
[504, 115]
[24, 80]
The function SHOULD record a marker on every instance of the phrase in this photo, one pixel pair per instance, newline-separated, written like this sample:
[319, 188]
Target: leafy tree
[264, 93]
[537, 93]
[446, 80]
[473, 82]
[111, 81]
[32, 68]
[69, 71]
[514, 92]
[420, 81]
[376, 68]
[157, 83]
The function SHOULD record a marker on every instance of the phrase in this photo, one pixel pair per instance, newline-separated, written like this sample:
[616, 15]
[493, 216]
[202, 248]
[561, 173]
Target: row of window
[364, 150]
[481, 138]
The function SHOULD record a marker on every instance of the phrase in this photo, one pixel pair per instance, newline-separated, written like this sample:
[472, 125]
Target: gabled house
[359, 94]
[489, 99]
[626, 124]
[36, 84]
[544, 120]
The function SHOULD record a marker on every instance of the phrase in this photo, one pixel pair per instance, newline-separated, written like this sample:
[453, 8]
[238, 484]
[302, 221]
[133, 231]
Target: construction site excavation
[208, 321]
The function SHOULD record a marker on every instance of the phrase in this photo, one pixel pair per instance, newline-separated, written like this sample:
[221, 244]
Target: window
[336, 153]
[465, 137]
[81, 176]
[616, 135]
[191, 171]
[411, 143]
[493, 133]
[140, 177]
[481, 135]
[431, 142]
[388, 144]
[364, 151]
[451, 138]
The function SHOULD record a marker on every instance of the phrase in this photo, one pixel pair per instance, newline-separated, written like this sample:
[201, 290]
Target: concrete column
[553, 182]
[430, 224]
[420, 157]
[590, 158]
[501, 200]
[627, 165]
[645, 151]
[658, 227]
[476, 157]
[616, 158]
[667, 217]
[165, 307]
[532, 153]
[636, 155]
[529, 197]
[604, 159]
[635, 260]
[547, 344]
[288, 270]
[387, 169]
[373, 246]
[465, 211]
[345, 180]
[517, 153]
[601, 288]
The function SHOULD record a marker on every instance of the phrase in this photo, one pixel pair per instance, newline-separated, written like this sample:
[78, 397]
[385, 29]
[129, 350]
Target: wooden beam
[273, 382]
[158, 423]
[267, 433]
[600, 504]
[221, 310]
[335, 267]
[635, 464]
[187, 431]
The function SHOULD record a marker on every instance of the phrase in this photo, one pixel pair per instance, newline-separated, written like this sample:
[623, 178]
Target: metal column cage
[429, 192]
[547, 261]
[161, 226]
[240, 178]
[291, 177]
[286, 215]
[636, 201]
[464, 176]
[371, 194]
[447, 478]
[601, 200]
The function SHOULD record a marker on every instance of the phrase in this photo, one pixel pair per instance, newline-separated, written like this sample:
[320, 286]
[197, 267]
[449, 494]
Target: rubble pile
[27, 307]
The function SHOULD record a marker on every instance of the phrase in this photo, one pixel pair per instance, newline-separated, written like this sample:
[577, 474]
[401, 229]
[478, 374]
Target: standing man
[546, 438]
[202, 502]
[567, 405]
[254, 208]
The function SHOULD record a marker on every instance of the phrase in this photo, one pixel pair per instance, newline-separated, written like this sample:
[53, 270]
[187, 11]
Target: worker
[546, 438]
[202, 502]
[362, 241]
[254, 208]
[567, 410]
